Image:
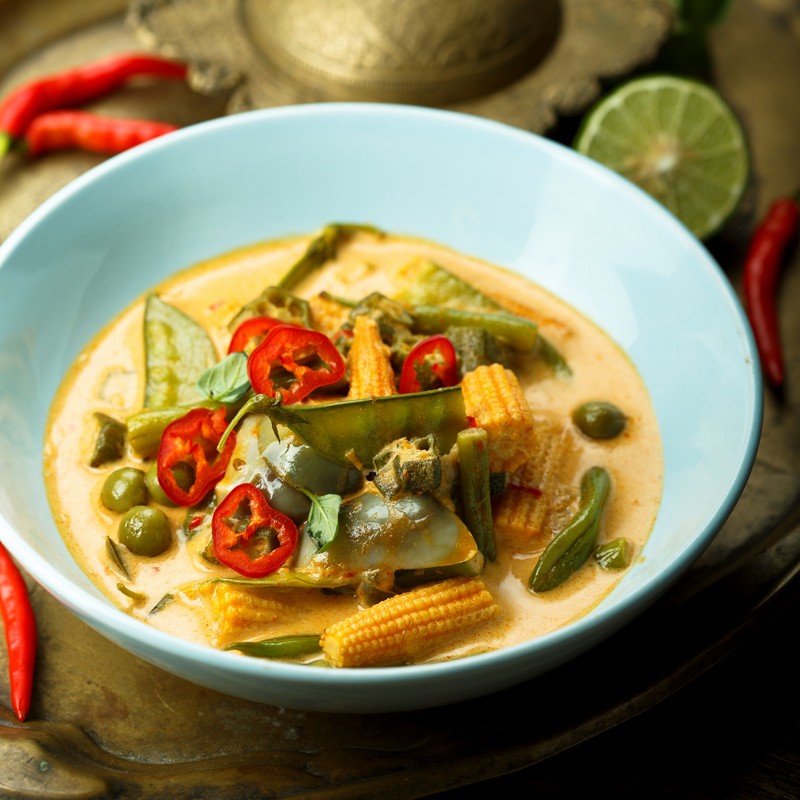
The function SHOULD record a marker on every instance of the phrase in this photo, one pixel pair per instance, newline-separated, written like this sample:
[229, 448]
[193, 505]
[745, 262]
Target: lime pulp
[678, 140]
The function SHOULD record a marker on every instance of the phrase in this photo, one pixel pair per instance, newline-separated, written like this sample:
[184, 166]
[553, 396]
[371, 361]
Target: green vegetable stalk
[572, 547]
[279, 647]
[321, 249]
[520, 333]
[473, 463]
[356, 430]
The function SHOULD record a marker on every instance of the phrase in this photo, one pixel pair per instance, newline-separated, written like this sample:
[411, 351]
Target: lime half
[678, 140]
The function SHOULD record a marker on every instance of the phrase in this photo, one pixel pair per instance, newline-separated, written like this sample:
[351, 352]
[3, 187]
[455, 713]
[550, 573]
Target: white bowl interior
[507, 196]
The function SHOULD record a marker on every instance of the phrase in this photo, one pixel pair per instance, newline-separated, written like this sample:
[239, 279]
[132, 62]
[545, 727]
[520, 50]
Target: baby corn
[540, 492]
[239, 612]
[494, 398]
[369, 362]
[409, 625]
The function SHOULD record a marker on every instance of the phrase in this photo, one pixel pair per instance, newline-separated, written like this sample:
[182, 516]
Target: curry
[353, 449]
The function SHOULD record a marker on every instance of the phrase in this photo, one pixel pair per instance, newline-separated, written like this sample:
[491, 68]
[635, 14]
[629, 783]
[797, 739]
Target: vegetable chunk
[369, 362]
[409, 625]
[494, 398]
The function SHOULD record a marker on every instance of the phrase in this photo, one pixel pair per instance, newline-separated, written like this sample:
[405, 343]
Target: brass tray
[105, 724]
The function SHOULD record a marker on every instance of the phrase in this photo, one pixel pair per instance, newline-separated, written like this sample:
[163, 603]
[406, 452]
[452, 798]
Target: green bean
[518, 332]
[570, 549]
[321, 249]
[109, 444]
[177, 351]
[279, 647]
[356, 430]
[475, 479]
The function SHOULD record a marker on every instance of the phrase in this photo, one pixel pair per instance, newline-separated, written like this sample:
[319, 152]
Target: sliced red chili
[431, 364]
[189, 445]
[294, 361]
[249, 535]
[251, 333]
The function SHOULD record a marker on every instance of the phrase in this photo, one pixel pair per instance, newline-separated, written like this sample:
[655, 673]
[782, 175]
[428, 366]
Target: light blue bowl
[482, 188]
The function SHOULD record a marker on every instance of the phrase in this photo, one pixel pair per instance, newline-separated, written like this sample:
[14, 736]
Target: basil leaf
[226, 381]
[323, 519]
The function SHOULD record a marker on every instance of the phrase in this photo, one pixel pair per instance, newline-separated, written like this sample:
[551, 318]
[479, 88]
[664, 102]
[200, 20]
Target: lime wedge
[678, 140]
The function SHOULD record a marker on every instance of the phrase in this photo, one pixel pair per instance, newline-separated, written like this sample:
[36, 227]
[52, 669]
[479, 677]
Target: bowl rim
[82, 602]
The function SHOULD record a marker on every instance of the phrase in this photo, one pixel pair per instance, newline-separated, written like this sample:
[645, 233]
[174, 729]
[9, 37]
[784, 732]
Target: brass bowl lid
[412, 51]
[491, 58]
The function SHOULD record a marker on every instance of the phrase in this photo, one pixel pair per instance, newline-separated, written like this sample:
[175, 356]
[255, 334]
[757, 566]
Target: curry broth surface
[108, 377]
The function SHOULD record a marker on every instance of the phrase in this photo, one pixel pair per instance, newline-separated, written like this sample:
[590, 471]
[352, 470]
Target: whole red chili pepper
[191, 442]
[244, 530]
[765, 257]
[430, 364]
[250, 329]
[63, 130]
[75, 86]
[294, 361]
[20, 627]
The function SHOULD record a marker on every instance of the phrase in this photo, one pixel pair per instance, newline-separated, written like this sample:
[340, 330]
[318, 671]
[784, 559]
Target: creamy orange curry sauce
[188, 591]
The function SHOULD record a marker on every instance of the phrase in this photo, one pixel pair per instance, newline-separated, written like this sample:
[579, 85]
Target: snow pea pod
[354, 431]
[571, 548]
[177, 352]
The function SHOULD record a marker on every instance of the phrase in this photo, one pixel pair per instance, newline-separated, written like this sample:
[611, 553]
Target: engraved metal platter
[105, 724]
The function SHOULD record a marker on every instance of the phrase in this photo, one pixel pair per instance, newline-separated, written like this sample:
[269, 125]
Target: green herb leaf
[116, 557]
[137, 597]
[323, 519]
[227, 381]
[164, 601]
